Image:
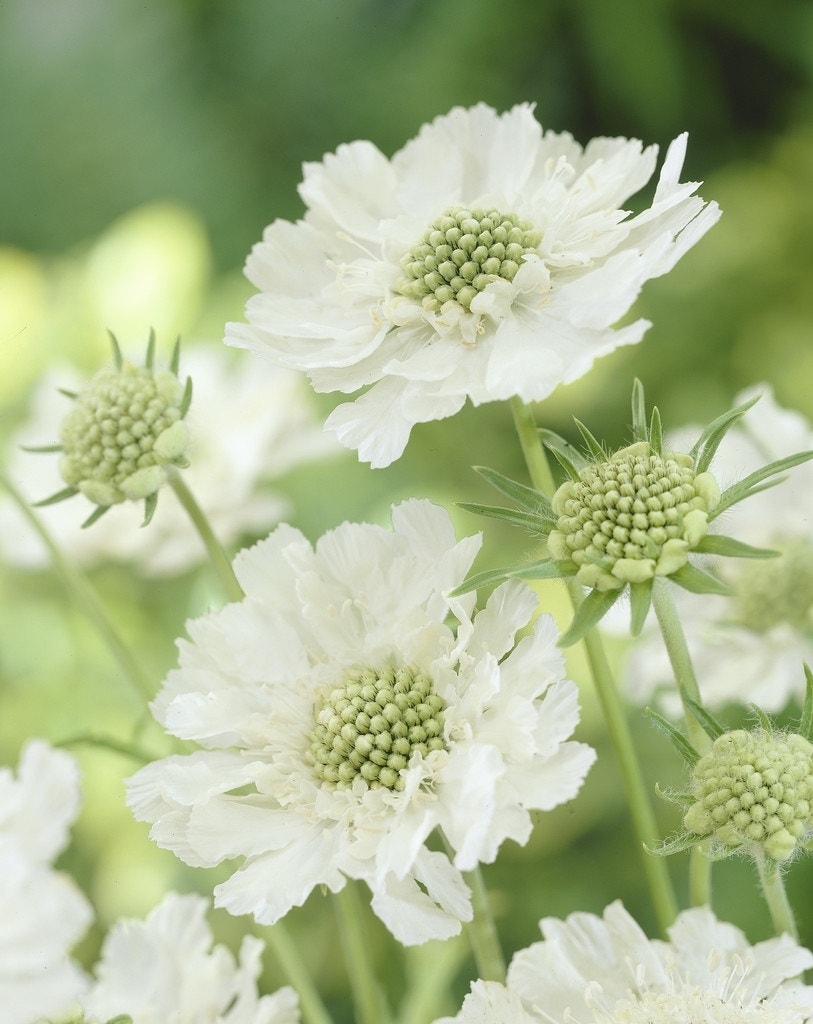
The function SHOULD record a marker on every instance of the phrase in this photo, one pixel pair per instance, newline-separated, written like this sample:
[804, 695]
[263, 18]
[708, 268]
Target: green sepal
[118, 359]
[175, 360]
[68, 492]
[756, 482]
[677, 739]
[592, 609]
[677, 844]
[150, 504]
[806, 721]
[68, 393]
[593, 444]
[95, 515]
[707, 722]
[656, 432]
[568, 457]
[481, 579]
[545, 569]
[516, 517]
[762, 719]
[728, 547]
[526, 497]
[705, 448]
[640, 602]
[149, 359]
[639, 431]
[41, 449]
[696, 581]
[672, 796]
[186, 398]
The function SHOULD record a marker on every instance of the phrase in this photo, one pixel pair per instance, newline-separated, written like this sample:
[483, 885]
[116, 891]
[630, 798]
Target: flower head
[343, 720]
[166, 969]
[486, 260]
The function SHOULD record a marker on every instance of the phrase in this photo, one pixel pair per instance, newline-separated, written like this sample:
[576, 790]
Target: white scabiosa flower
[44, 914]
[488, 259]
[343, 721]
[604, 970]
[248, 425]
[748, 647]
[166, 969]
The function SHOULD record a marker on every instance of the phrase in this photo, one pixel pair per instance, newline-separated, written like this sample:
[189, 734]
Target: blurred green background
[145, 147]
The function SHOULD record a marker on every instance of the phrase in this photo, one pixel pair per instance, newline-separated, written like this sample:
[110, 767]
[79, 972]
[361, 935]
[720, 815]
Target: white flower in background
[604, 970]
[343, 721]
[486, 260]
[165, 969]
[749, 647]
[249, 424]
[43, 913]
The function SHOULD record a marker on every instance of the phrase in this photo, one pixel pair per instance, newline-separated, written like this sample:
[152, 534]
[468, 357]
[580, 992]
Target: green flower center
[779, 590]
[371, 725]
[126, 425]
[754, 787]
[463, 251]
[631, 517]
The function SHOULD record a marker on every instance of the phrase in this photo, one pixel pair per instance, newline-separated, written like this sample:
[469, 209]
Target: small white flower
[604, 970]
[749, 647]
[485, 260]
[248, 425]
[166, 969]
[343, 721]
[43, 913]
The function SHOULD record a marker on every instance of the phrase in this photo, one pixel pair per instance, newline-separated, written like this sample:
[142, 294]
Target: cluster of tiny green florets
[461, 252]
[754, 787]
[124, 430]
[372, 725]
[776, 591]
[629, 518]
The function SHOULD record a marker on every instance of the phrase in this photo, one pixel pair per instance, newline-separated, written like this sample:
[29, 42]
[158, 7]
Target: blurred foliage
[146, 145]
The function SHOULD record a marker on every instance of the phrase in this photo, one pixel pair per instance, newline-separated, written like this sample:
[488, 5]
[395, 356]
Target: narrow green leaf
[526, 497]
[150, 505]
[639, 431]
[68, 394]
[749, 485]
[95, 515]
[593, 444]
[546, 569]
[117, 356]
[149, 360]
[59, 496]
[640, 602]
[175, 360]
[516, 517]
[592, 609]
[716, 544]
[698, 582]
[656, 431]
[806, 721]
[673, 796]
[677, 844]
[707, 722]
[481, 579]
[707, 444]
[568, 456]
[761, 718]
[186, 398]
[41, 449]
[676, 738]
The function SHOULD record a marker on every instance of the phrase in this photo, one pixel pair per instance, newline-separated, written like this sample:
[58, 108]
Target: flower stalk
[367, 996]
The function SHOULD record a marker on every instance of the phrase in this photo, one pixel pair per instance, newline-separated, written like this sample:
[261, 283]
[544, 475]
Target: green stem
[661, 891]
[431, 971]
[293, 966]
[773, 889]
[217, 556]
[369, 1002]
[678, 650]
[78, 586]
[482, 931]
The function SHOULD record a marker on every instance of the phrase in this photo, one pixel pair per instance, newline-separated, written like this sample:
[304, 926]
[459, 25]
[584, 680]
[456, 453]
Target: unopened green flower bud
[634, 516]
[754, 787]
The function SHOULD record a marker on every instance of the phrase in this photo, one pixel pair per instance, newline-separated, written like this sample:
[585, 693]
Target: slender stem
[217, 556]
[78, 586]
[661, 891]
[482, 931]
[432, 969]
[293, 966]
[773, 889]
[367, 996]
